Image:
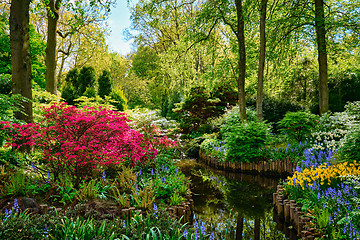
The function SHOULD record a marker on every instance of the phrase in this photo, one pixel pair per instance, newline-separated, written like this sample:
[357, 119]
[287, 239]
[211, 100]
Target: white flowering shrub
[331, 131]
[143, 117]
[334, 128]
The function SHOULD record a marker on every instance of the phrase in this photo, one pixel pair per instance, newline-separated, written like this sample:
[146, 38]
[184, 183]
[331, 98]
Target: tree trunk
[260, 85]
[242, 59]
[50, 58]
[20, 57]
[239, 227]
[257, 229]
[322, 56]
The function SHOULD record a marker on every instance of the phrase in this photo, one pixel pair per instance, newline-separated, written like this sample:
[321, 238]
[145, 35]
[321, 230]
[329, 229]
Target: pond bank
[236, 204]
[274, 168]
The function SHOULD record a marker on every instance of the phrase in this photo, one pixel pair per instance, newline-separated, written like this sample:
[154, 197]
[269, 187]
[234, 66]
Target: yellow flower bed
[323, 174]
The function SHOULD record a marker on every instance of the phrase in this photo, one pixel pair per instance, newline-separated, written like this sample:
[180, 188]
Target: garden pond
[235, 205]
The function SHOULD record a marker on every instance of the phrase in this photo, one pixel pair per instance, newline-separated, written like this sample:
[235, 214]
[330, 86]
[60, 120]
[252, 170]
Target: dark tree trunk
[322, 56]
[239, 227]
[257, 229]
[242, 59]
[20, 57]
[260, 86]
[50, 58]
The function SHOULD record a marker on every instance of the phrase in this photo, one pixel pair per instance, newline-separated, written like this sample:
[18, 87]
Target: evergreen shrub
[299, 125]
[120, 101]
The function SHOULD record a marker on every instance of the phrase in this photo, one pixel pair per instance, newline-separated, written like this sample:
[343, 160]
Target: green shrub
[351, 147]
[104, 84]
[68, 93]
[202, 105]
[90, 92]
[120, 101]
[299, 125]
[353, 109]
[5, 83]
[244, 140]
[274, 109]
[86, 79]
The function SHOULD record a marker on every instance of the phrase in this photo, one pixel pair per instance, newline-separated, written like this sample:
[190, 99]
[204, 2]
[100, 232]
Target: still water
[234, 205]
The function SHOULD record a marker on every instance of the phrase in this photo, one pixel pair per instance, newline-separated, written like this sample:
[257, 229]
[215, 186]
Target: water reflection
[234, 205]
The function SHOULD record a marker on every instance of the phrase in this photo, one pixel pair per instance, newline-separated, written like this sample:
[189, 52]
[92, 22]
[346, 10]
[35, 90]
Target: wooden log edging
[290, 212]
[277, 167]
[183, 211]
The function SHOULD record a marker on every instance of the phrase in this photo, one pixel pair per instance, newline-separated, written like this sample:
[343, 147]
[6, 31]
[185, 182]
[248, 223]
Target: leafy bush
[351, 147]
[94, 102]
[68, 93]
[299, 125]
[143, 117]
[5, 83]
[201, 105]
[85, 80]
[331, 130]
[104, 84]
[244, 140]
[8, 104]
[275, 109]
[213, 147]
[119, 99]
[42, 99]
[353, 109]
[348, 84]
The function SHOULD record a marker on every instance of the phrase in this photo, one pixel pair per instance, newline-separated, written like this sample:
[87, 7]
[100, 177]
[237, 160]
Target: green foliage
[41, 99]
[200, 105]
[5, 53]
[144, 198]
[120, 101]
[78, 84]
[104, 84]
[68, 93]
[244, 140]
[86, 79]
[145, 62]
[8, 104]
[69, 90]
[176, 199]
[156, 225]
[5, 83]
[90, 92]
[17, 184]
[37, 52]
[10, 157]
[275, 109]
[95, 102]
[353, 109]
[66, 194]
[342, 89]
[299, 125]
[351, 147]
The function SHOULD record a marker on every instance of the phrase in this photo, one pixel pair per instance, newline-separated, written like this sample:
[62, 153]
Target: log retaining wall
[283, 167]
[290, 212]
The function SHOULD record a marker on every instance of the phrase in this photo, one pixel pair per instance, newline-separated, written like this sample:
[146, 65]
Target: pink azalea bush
[80, 142]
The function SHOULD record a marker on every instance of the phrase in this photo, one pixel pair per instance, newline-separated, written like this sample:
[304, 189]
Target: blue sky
[118, 21]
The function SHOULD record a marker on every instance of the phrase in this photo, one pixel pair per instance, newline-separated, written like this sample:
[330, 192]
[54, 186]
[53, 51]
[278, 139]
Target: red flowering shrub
[78, 142]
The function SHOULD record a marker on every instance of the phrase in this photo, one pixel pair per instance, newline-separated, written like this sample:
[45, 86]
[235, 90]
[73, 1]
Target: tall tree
[53, 7]
[260, 86]
[20, 57]
[240, 34]
[322, 56]
[81, 9]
